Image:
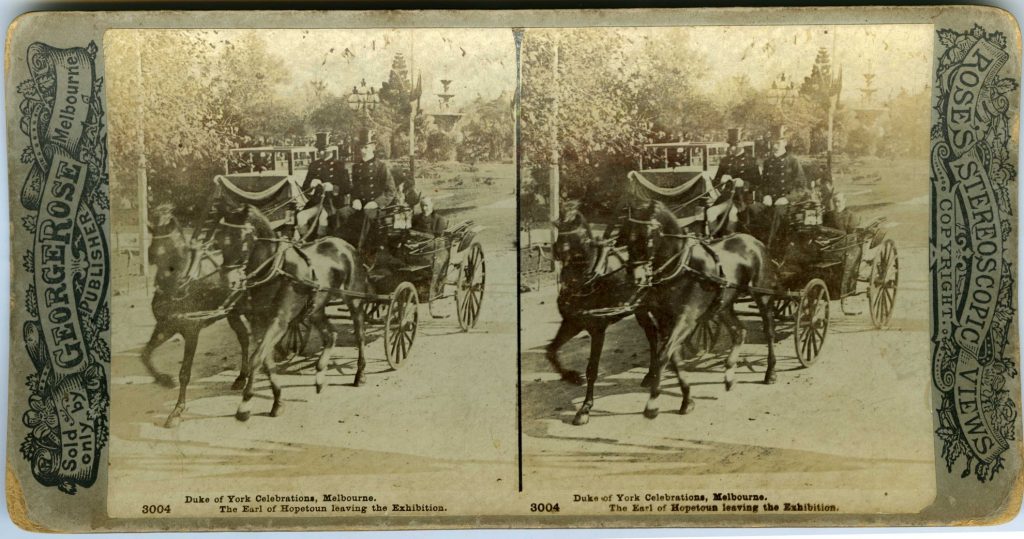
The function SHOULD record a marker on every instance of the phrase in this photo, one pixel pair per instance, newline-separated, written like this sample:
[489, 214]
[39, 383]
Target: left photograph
[313, 255]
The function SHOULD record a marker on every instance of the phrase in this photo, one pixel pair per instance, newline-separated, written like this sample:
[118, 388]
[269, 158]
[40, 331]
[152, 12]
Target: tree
[395, 92]
[906, 127]
[182, 111]
[821, 88]
[487, 130]
[614, 93]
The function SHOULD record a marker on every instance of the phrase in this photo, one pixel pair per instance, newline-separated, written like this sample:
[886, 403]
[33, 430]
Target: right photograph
[723, 267]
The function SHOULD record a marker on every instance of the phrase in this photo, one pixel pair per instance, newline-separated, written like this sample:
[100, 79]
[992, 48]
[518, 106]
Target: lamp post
[363, 98]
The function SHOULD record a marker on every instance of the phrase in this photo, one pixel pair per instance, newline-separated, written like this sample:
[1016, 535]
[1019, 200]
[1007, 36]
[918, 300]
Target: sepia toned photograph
[724, 269]
[517, 269]
[313, 293]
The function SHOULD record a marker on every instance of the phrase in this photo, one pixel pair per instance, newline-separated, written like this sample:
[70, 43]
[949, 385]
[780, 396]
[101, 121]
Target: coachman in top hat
[783, 174]
[372, 184]
[331, 173]
[372, 187]
[739, 163]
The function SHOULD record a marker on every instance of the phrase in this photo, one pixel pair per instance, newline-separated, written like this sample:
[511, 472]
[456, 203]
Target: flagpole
[142, 181]
[412, 109]
[554, 187]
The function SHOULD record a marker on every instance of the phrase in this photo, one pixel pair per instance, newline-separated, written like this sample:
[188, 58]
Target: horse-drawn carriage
[405, 267]
[669, 263]
[265, 252]
[414, 267]
[816, 265]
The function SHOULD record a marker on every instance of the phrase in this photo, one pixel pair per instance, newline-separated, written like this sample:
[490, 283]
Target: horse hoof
[687, 407]
[238, 384]
[172, 422]
[581, 419]
[769, 378]
[360, 380]
[648, 380]
[242, 416]
[729, 384]
[165, 380]
[572, 377]
[319, 388]
[276, 410]
[650, 413]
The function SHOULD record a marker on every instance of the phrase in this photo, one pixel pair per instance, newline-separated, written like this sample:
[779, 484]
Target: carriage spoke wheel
[784, 309]
[296, 338]
[882, 283]
[400, 324]
[811, 322]
[469, 287]
[705, 336]
[374, 311]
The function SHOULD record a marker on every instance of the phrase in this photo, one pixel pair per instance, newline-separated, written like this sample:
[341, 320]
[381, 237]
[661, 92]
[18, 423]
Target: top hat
[366, 137]
[778, 132]
[733, 136]
[322, 140]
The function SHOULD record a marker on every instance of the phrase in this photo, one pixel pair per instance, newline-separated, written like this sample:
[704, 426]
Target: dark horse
[284, 281]
[692, 281]
[596, 292]
[182, 291]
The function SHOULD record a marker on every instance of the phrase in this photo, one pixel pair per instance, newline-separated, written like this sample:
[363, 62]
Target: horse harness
[272, 267]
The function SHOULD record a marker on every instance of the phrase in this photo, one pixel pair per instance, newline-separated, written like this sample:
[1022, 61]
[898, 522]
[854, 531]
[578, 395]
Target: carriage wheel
[296, 338]
[469, 287]
[400, 324]
[811, 322]
[882, 283]
[784, 309]
[374, 311]
[705, 335]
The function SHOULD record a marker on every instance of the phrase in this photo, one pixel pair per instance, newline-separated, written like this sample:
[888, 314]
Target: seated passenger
[428, 221]
[840, 217]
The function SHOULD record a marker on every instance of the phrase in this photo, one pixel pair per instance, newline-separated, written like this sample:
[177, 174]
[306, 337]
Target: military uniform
[330, 171]
[741, 166]
[782, 176]
[372, 182]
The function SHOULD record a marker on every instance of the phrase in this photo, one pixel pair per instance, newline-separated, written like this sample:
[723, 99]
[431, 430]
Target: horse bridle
[678, 261]
[272, 265]
[578, 261]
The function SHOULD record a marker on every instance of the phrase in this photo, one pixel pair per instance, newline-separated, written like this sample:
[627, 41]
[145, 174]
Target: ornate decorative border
[65, 195]
[972, 250]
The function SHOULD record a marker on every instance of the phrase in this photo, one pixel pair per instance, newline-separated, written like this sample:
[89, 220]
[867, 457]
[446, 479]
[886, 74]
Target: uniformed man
[781, 180]
[739, 163]
[783, 175]
[372, 188]
[330, 172]
[372, 184]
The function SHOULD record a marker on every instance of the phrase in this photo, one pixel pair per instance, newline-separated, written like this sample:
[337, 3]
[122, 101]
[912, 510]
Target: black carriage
[817, 265]
[420, 267]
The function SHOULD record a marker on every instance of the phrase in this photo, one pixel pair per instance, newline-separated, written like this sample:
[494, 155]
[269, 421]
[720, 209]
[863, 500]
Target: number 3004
[543, 507]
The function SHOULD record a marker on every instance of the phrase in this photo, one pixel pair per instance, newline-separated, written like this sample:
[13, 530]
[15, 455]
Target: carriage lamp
[812, 215]
[403, 219]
